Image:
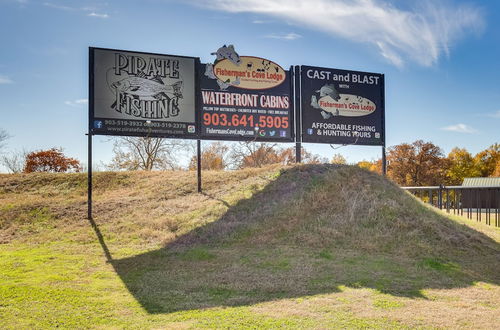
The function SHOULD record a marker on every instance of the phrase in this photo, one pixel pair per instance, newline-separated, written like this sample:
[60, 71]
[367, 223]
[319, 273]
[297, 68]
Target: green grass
[307, 247]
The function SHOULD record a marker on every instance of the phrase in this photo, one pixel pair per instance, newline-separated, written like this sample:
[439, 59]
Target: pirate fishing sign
[150, 89]
[141, 89]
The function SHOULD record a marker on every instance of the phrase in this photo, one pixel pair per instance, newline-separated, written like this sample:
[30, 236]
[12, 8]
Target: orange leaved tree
[52, 160]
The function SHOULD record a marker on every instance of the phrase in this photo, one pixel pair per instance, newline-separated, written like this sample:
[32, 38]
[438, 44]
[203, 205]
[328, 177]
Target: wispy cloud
[77, 103]
[92, 10]
[93, 14]
[260, 21]
[459, 128]
[421, 34]
[5, 80]
[56, 6]
[495, 114]
[287, 36]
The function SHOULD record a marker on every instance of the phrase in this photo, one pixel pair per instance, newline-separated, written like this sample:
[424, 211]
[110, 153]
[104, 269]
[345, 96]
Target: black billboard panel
[142, 94]
[245, 98]
[342, 107]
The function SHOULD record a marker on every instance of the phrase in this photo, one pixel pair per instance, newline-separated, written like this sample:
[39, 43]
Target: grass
[302, 247]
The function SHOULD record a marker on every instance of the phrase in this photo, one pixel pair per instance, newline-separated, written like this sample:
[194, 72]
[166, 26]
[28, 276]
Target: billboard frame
[91, 114]
[382, 104]
[240, 138]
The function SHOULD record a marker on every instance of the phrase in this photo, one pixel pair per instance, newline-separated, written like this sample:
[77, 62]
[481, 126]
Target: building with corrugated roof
[484, 198]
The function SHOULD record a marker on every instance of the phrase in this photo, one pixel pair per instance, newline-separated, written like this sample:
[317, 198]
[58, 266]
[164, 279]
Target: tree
[486, 160]
[14, 161]
[417, 164]
[3, 136]
[52, 160]
[497, 170]
[146, 153]
[287, 157]
[338, 159]
[374, 166]
[254, 154]
[461, 165]
[212, 158]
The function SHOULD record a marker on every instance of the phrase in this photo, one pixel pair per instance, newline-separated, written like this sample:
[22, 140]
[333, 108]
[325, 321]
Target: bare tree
[338, 159]
[3, 136]
[147, 153]
[14, 161]
[254, 154]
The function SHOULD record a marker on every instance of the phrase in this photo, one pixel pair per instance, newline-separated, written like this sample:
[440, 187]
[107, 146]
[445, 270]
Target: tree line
[408, 164]
[425, 164]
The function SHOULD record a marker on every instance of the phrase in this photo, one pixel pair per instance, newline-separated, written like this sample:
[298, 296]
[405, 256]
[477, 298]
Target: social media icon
[272, 133]
[310, 131]
[191, 129]
[262, 132]
[283, 133]
[97, 124]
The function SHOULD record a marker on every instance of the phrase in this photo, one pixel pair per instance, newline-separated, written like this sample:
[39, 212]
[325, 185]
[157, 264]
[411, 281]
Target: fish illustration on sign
[332, 103]
[329, 90]
[147, 88]
[314, 102]
[227, 52]
[231, 70]
[209, 71]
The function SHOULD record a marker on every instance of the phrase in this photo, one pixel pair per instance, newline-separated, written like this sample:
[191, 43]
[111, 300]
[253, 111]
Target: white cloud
[56, 6]
[92, 10]
[94, 14]
[5, 80]
[260, 21]
[495, 114]
[77, 103]
[421, 34]
[287, 36]
[459, 128]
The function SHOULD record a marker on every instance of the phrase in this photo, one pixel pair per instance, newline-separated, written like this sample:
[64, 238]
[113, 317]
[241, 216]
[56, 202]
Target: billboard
[342, 107]
[142, 94]
[245, 98]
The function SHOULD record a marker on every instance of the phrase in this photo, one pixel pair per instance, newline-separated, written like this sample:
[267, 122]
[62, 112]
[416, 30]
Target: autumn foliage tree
[486, 160]
[52, 160]
[287, 157]
[461, 165]
[417, 164]
[212, 158]
[252, 154]
[374, 166]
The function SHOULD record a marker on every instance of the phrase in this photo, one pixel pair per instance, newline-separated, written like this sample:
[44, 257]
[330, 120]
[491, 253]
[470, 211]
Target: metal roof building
[486, 195]
[481, 182]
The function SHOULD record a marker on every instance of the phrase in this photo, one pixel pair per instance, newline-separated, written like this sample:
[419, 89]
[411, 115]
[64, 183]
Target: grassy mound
[305, 246]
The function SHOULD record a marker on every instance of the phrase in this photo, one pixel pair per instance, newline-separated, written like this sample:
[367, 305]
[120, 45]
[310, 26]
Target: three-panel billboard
[241, 98]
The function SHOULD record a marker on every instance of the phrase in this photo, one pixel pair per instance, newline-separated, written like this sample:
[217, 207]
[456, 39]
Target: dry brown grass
[318, 246]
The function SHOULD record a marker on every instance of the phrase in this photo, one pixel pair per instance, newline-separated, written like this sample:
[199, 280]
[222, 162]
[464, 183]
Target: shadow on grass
[224, 264]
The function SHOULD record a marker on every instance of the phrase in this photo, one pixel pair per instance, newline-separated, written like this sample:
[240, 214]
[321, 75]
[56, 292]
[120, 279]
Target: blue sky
[440, 59]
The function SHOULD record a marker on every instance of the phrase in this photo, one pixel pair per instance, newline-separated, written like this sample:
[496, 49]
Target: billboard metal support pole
[297, 106]
[198, 161]
[89, 178]
[384, 162]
